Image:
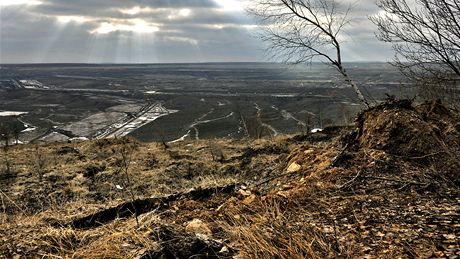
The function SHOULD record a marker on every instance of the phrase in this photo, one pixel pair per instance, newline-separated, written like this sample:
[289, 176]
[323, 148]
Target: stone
[294, 167]
[198, 227]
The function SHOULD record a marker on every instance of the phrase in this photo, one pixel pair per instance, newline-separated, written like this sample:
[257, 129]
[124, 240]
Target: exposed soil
[390, 189]
[428, 134]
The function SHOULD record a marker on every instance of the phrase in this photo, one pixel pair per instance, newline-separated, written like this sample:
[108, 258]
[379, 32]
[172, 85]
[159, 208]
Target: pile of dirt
[429, 133]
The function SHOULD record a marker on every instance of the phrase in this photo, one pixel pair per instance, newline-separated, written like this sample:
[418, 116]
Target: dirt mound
[445, 120]
[426, 136]
[399, 128]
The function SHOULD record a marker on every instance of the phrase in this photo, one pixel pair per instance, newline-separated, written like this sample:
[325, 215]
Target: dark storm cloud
[151, 31]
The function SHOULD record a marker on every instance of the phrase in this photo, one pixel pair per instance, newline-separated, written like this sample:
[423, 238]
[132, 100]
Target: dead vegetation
[390, 189]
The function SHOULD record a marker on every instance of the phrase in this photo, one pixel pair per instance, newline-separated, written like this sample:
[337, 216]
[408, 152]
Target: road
[148, 114]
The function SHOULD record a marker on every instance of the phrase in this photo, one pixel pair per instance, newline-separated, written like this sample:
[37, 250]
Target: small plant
[163, 139]
[308, 124]
[40, 163]
[5, 135]
[152, 161]
[16, 132]
[216, 153]
[126, 152]
[6, 162]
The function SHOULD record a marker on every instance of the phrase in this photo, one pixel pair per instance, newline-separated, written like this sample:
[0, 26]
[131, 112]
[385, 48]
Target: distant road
[148, 114]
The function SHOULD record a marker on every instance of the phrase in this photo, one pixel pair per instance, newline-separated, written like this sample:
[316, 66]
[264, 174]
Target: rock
[245, 192]
[224, 250]
[249, 199]
[198, 227]
[294, 167]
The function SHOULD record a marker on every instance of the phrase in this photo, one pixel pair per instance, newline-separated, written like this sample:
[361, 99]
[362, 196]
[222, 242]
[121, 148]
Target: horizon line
[175, 63]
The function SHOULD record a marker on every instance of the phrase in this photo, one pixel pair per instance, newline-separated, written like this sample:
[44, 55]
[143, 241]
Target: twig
[8, 198]
[3, 205]
[337, 244]
[340, 155]
[422, 157]
[394, 180]
[273, 178]
[50, 255]
[410, 250]
[352, 180]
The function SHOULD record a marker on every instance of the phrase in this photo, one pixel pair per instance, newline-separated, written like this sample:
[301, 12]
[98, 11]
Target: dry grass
[81, 178]
[274, 233]
[359, 209]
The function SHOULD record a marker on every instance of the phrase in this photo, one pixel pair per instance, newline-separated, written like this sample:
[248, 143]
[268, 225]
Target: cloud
[145, 31]
[20, 2]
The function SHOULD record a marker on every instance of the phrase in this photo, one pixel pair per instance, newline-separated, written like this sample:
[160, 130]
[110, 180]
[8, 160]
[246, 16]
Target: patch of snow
[29, 129]
[181, 138]
[54, 137]
[79, 139]
[11, 113]
[32, 84]
[316, 130]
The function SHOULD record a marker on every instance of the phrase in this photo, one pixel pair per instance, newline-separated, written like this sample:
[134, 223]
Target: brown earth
[428, 133]
[389, 189]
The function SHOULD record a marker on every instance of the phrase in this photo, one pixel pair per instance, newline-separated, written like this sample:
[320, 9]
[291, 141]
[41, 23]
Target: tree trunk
[354, 86]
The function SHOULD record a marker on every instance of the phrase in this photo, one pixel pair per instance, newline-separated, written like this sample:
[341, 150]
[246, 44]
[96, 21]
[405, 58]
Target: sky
[153, 31]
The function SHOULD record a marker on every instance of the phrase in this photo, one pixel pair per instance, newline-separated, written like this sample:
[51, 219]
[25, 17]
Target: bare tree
[16, 132]
[160, 133]
[300, 31]
[5, 135]
[426, 38]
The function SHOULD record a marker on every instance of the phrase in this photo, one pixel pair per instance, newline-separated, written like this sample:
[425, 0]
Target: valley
[173, 102]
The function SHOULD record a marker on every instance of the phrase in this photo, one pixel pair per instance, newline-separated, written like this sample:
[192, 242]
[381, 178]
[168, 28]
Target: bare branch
[426, 39]
[300, 31]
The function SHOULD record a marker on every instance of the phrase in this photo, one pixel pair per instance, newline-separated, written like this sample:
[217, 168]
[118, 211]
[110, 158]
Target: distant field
[213, 100]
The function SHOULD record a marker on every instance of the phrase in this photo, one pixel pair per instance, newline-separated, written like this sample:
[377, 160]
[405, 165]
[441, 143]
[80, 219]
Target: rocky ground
[387, 187]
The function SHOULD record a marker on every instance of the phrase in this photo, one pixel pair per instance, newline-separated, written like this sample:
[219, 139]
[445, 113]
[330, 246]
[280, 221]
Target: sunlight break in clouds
[19, 2]
[68, 19]
[232, 5]
[182, 13]
[136, 10]
[139, 26]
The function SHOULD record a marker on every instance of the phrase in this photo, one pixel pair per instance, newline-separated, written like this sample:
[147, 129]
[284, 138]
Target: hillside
[387, 188]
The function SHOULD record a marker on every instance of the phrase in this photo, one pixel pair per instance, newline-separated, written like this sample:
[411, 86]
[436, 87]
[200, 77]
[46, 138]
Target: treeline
[10, 129]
